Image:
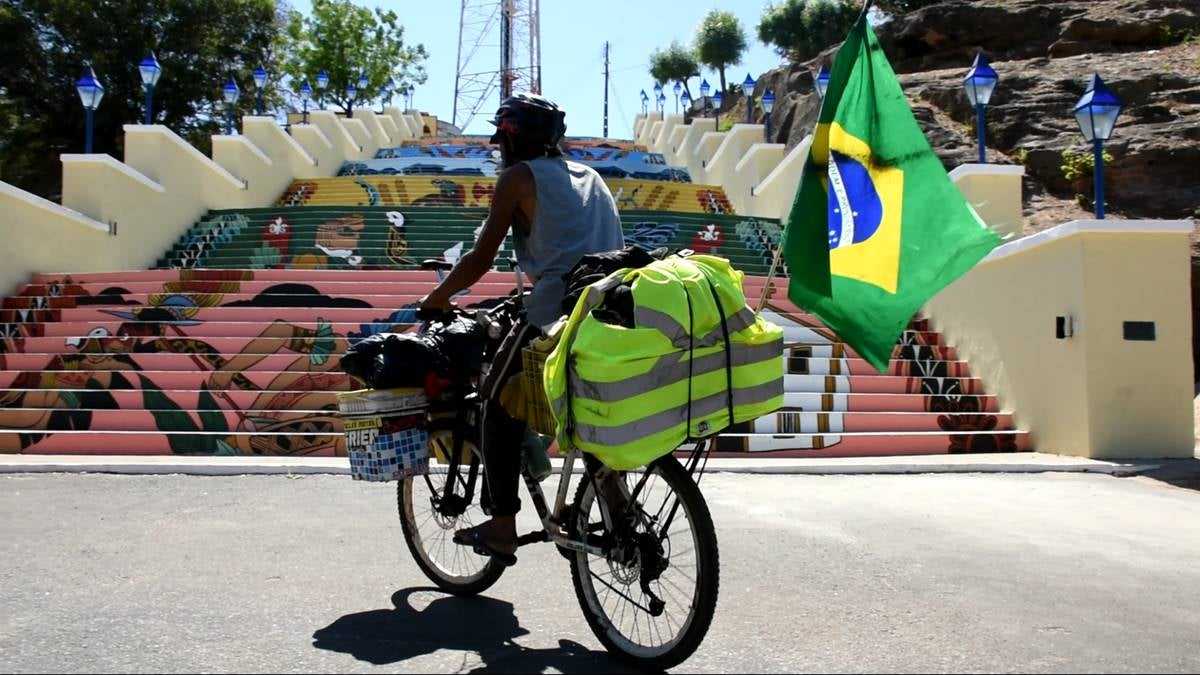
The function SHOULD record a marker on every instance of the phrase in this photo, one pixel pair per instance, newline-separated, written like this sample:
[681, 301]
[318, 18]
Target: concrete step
[331, 444]
[204, 375]
[229, 419]
[204, 399]
[276, 356]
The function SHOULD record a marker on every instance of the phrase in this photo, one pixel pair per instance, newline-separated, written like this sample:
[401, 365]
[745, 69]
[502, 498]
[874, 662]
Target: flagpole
[762, 302]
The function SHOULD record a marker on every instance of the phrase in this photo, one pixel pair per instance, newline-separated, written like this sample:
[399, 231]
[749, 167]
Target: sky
[573, 35]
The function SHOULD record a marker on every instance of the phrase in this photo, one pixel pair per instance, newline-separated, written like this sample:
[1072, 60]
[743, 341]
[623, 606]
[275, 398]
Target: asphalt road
[917, 573]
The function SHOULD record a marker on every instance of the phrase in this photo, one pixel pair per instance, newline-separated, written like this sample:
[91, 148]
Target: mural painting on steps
[466, 191]
[376, 238]
[270, 392]
[231, 364]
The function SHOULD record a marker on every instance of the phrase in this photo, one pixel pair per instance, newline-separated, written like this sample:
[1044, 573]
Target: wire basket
[533, 363]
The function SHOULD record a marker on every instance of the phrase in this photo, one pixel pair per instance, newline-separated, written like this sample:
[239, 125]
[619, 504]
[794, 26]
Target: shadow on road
[485, 626]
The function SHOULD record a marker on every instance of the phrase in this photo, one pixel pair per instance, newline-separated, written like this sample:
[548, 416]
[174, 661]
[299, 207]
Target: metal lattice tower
[509, 28]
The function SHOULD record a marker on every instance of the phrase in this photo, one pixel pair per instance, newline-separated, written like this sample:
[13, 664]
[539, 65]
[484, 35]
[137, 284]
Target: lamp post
[305, 95]
[748, 90]
[676, 89]
[686, 100]
[90, 92]
[717, 100]
[322, 82]
[768, 104]
[1096, 112]
[645, 102]
[362, 89]
[658, 95]
[662, 101]
[980, 81]
[231, 92]
[150, 71]
[351, 92]
[260, 83]
[704, 89]
[408, 93]
[822, 81]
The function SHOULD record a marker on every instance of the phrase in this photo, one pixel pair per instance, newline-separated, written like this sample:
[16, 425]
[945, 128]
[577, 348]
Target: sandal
[472, 538]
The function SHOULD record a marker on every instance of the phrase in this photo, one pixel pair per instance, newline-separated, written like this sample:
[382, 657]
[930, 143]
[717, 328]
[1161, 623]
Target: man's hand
[435, 304]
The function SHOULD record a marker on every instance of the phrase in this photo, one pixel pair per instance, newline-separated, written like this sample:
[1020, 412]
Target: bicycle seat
[435, 264]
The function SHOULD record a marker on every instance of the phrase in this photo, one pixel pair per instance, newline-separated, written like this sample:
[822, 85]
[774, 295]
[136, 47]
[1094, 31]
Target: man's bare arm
[511, 186]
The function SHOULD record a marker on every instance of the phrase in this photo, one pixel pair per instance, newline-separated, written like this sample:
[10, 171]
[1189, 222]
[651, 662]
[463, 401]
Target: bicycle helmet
[531, 121]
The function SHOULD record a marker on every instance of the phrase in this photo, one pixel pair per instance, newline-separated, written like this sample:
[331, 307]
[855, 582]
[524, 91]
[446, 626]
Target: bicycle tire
[486, 571]
[707, 582]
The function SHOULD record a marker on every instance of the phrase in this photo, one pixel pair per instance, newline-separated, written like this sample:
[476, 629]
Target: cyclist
[559, 211]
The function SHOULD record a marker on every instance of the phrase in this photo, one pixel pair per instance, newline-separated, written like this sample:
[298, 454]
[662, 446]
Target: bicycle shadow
[479, 624]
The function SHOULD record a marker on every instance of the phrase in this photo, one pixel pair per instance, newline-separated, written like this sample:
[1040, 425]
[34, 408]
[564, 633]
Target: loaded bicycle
[641, 544]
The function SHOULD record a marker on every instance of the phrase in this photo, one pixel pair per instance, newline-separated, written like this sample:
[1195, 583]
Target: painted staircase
[233, 345]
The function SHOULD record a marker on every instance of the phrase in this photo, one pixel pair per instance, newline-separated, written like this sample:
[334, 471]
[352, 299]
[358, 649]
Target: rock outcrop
[1147, 52]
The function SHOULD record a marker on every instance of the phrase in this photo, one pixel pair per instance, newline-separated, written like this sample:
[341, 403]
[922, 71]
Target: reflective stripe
[676, 332]
[677, 416]
[672, 368]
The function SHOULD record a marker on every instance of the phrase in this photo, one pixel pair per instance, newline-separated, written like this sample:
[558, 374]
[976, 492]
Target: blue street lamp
[150, 71]
[90, 92]
[686, 101]
[676, 89]
[362, 87]
[408, 93]
[322, 82]
[260, 83]
[717, 100]
[980, 81]
[1096, 112]
[231, 93]
[658, 95]
[768, 104]
[645, 102]
[305, 97]
[388, 90]
[822, 81]
[351, 92]
[748, 90]
[662, 101]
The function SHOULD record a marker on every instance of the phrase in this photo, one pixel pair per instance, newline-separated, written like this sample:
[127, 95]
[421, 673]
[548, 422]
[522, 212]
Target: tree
[48, 45]
[345, 41]
[676, 63]
[801, 29]
[720, 41]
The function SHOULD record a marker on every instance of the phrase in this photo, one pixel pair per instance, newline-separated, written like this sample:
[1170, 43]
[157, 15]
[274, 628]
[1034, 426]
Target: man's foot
[496, 538]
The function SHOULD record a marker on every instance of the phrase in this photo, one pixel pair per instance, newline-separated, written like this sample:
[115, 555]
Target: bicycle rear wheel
[651, 598]
[428, 519]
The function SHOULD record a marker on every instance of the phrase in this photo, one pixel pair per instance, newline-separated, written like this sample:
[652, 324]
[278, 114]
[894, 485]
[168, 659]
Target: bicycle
[629, 561]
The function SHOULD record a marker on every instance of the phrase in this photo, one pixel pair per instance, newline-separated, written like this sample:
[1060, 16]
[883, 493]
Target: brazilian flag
[877, 227]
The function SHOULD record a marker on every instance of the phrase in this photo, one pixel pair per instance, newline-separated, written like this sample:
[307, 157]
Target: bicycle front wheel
[429, 516]
[650, 599]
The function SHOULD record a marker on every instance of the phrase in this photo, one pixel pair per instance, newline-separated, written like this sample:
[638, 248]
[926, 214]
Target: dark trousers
[503, 435]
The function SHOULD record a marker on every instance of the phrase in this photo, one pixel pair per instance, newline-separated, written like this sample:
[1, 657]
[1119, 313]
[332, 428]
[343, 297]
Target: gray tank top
[575, 215]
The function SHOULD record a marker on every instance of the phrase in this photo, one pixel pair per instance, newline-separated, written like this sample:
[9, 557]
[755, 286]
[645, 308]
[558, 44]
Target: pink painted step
[296, 400]
[337, 381]
[328, 421]
[158, 443]
[272, 359]
[873, 444]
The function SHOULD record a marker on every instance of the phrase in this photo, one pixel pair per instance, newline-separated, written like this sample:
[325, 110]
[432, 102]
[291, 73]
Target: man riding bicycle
[559, 211]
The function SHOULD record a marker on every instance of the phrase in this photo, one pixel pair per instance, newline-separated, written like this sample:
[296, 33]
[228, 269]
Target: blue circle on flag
[851, 189]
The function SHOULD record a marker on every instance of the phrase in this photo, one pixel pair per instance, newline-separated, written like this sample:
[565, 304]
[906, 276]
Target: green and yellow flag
[877, 227]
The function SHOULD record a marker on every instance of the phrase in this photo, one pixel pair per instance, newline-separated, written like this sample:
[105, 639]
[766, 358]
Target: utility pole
[606, 88]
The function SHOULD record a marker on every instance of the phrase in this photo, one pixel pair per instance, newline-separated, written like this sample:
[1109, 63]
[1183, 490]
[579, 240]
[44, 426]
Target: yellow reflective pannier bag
[696, 360]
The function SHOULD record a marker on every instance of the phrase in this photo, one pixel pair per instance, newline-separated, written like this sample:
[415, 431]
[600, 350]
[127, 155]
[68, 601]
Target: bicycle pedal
[535, 537]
